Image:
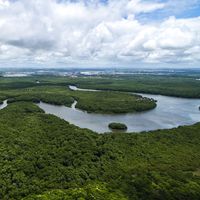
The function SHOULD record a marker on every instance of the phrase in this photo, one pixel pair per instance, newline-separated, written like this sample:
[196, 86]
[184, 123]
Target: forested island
[100, 102]
[117, 126]
[44, 157]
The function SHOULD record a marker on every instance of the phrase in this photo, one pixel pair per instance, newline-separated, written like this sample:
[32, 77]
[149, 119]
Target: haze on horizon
[100, 33]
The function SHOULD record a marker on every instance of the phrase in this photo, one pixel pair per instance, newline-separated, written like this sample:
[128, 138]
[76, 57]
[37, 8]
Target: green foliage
[177, 86]
[112, 102]
[89, 192]
[44, 157]
[40, 152]
[98, 102]
[47, 98]
[117, 126]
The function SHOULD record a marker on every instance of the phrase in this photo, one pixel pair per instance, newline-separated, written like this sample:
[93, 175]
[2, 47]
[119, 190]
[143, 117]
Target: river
[170, 112]
[3, 105]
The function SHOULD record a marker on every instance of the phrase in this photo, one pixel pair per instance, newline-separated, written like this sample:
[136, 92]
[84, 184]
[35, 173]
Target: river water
[170, 112]
[3, 105]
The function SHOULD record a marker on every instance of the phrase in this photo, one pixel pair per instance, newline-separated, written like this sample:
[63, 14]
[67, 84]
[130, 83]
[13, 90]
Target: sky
[100, 33]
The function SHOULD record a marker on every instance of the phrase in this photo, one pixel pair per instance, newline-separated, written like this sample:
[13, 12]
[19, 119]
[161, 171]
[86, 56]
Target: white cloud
[52, 32]
[136, 6]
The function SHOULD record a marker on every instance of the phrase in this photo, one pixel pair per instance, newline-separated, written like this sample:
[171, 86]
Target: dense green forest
[117, 126]
[166, 85]
[43, 157]
[60, 94]
[180, 86]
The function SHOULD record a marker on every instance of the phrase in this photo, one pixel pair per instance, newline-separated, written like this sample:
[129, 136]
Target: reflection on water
[170, 112]
[71, 87]
[3, 105]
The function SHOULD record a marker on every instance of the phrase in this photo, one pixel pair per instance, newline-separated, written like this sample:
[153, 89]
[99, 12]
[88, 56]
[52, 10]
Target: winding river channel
[170, 112]
[3, 105]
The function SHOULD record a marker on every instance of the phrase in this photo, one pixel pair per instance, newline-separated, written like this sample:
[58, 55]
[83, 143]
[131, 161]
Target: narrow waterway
[3, 105]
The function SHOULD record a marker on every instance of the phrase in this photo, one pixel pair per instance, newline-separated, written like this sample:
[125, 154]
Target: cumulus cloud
[53, 32]
[137, 6]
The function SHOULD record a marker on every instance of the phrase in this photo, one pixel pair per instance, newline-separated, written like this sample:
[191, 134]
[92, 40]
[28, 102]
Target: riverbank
[103, 102]
[46, 156]
[170, 112]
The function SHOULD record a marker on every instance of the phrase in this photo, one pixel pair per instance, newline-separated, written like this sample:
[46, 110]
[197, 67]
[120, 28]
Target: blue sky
[100, 33]
[177, 8]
